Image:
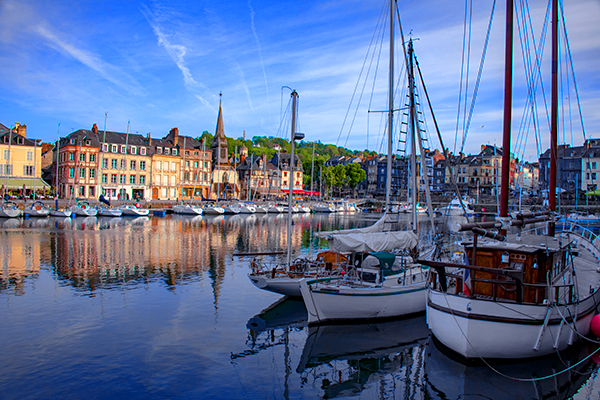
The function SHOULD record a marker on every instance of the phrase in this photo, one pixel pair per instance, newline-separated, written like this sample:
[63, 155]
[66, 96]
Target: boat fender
[83, 206]
[595, 325]
[137, 205]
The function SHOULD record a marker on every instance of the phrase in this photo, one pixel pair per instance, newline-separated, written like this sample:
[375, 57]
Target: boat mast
[57, 161]
[291, 184]
[554, 116]
[508, 61]
[413, 137]
[102, 159]
[388, 186]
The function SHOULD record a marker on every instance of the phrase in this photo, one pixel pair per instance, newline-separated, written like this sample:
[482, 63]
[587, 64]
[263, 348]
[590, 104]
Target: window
[165, 180]
[122, 179]
[92, 173]
[187, 153]
[132, 165]
[82, 172]
[123, 164]
[82, 190]
[133, 150]
[72, 140]
[142, 179]
[166, 166]
[195, 164]
[105, 147]
[113, 163]
[157, 165]
[132, 179]
[166, 150]
[143, 151]
[6, 154]
[594, 165]
[29, 155]
[113, 178]
[142, 165]
[71, 172]
[159, 150]
[123, 149]
[187, 163]
[92, 191]
[113, 148]
[82, 157]
[92, 158]
[186, 176]
[104, 178]
[593, 175]
[173, 166]
[157, 179]
[105, 163]
[71, 156]
[28, 170]
[174, 152]
[172, 180]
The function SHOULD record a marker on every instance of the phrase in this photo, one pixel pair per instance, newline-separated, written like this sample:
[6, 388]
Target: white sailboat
[380, 285]
[9, 209]
[37, 209]
[84, 209]
[182, 207]
[519, 296]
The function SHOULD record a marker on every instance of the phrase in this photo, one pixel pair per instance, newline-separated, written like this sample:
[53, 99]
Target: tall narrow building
[225, 179]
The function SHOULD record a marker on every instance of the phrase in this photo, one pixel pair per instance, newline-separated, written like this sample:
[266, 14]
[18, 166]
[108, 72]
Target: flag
[467, 278]
[104, 200]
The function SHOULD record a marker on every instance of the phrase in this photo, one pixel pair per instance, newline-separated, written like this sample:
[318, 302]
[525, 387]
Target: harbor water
[162, 308]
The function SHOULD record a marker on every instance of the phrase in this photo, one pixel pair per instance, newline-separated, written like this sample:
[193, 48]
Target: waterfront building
[166, 168]
[282, 161]
[125, 160]
[195, 165]
[258, 178]
[77, 155]
[21, 162]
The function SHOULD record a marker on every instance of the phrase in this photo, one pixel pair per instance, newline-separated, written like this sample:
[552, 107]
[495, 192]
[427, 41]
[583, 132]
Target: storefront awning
[29, 183]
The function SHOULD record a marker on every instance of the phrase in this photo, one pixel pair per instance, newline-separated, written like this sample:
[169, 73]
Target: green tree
[355, 175]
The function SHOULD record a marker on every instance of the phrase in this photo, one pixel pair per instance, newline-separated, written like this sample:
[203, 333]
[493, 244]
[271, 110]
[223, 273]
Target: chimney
[95, 129]
[175, 133]
[149, 139]
[22, 130]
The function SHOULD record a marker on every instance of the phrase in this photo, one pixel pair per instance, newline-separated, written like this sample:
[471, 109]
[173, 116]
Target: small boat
[455, 209]
[10, 209]
[261, 209]
[109, 212]
[38, 209]
[83, 209]
[383, 285]
[304, 208]
[187, 209]
[213, 209]
[275, 208]
[246, 208]
[136, 210]
[64, 213]
[231, 209]
[323, 208]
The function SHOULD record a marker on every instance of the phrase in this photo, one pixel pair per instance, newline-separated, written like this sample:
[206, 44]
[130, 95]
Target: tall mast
[57, 161]
[554, 115]
[388, 186]
[291, 184]
[413, 137]
[508, 61]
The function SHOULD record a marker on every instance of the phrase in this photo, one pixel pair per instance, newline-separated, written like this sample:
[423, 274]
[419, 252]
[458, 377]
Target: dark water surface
[159, 308]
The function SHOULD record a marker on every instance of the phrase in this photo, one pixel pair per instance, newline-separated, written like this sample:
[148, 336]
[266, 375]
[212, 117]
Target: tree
[355, 175]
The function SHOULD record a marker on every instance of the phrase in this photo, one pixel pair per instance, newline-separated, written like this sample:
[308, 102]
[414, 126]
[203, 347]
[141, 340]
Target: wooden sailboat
[519, 296]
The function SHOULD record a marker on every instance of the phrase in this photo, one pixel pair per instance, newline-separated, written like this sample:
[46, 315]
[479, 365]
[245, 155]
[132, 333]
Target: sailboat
[519, 296]
[285, 279]
[380, 284]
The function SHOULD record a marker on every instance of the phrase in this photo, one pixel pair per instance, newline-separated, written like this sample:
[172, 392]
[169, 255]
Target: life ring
[38, 207]
[138, 205]
[83, 206]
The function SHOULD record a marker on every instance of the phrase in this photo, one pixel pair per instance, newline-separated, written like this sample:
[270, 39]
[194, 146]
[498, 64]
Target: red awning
[300, 191]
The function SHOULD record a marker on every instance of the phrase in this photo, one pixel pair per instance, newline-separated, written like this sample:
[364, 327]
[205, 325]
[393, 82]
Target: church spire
[220, 132]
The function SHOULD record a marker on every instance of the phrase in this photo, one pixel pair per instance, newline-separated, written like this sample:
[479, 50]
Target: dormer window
[159, 150]
[123, 149]
[166, 150]
[133, 150]
[19, 140]
[72, 141]
[113, 148]
[88, 142]
[105, 147]
[143, 151]
[174, 152]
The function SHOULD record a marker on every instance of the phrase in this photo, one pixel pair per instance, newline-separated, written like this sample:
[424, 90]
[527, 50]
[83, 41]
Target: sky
[156, 65]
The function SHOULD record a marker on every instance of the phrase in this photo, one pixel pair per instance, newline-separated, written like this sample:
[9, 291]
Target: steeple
[219, 144]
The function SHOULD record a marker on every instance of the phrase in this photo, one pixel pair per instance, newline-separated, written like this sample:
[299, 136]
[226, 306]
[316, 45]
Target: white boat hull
[481, 328]
[61, 213]
[244, 209]
[42, 212]
[187, 209]
[84, 212]
[286, 286]
[325, 304]
[210, 210]
[134, 211]
[10, 213]
[109, 212]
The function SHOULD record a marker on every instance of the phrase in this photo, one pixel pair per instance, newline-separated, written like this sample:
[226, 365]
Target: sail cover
[378, 226]
[372, 242]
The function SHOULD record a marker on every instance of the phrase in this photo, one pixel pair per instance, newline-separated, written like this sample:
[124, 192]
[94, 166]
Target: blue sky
[162, 64]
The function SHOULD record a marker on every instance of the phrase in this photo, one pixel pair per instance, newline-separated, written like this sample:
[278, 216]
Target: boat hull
[346, 303]
[209, 210]
[42, 212]
[109, 212]
[61, 213]
[187, 210]
[10, 213]
[486, 329]
[84, 212]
